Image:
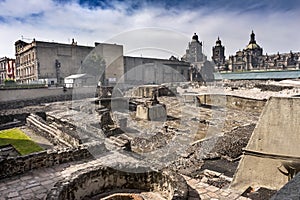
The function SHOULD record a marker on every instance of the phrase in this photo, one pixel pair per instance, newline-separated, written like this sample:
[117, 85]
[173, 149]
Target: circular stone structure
[124, 197]
[109, 183]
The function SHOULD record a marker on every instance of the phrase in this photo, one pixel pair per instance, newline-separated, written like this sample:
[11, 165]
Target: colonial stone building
[200, 68]
[252, 59]
[194, 52]
[47, 62]
[284, 61]
[7, 69]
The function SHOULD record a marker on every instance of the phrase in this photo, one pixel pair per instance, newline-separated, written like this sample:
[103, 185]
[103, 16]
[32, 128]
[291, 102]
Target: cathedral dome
[252, 43]
[253, 46]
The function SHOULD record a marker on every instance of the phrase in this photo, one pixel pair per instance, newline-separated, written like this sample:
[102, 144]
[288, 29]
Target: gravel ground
[231, 144]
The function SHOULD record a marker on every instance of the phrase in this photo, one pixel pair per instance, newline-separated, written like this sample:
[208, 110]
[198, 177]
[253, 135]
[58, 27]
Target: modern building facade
[139, 70]
[48, 62]
[7, 69]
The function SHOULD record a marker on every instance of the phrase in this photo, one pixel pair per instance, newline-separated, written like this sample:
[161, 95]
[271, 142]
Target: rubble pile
[231, 144]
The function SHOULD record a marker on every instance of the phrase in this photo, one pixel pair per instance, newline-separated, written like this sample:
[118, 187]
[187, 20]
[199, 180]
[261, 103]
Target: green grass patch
[19, 140]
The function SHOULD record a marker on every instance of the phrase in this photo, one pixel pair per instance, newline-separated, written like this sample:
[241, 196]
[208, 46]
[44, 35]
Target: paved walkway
[206, 191]
[36, 183]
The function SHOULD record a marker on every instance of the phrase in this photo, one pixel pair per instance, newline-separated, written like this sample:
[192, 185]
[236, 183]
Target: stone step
[118, 141]
[32, 120]
[125, 136]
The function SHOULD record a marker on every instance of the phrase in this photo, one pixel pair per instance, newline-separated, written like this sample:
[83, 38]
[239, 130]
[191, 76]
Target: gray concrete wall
[18, 98]
[275, 140]
[150, 70]
[113, 56]
[69, 56]
[23, 94]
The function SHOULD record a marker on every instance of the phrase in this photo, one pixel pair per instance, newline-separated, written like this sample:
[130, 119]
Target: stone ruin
[108, 183]
[146, 91]
[112, 126]
[152, 109]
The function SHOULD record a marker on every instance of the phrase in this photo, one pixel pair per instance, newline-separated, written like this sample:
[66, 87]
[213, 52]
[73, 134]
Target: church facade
[252, 59]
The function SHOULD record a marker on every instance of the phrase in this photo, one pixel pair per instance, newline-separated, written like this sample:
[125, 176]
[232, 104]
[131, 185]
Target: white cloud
[21, 8]
[277, 31]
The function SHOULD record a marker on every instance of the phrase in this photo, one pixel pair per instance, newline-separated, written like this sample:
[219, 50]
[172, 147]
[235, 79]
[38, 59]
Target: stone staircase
[119, 142]
[50, 132]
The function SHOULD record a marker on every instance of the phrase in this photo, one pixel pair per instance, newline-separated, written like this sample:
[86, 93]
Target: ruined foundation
[103, 181]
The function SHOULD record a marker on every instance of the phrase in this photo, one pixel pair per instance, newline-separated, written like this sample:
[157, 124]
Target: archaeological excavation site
[177, 141]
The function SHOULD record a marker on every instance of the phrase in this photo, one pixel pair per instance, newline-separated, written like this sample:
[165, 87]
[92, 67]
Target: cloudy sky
[152, 28]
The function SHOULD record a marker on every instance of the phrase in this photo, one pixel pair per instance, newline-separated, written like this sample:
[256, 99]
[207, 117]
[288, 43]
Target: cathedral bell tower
[194, 52]
[218, 53]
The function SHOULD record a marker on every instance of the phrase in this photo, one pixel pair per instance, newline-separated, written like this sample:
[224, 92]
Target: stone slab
[275, 140]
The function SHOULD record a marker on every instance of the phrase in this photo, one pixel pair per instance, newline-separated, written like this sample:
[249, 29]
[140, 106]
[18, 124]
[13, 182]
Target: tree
[9, 82]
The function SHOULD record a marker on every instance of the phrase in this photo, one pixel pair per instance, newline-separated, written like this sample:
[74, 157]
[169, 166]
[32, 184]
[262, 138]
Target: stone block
[156, 112]
[142, 112]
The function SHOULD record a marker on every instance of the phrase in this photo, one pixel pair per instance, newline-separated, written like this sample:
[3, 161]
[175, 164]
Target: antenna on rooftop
[24, 38]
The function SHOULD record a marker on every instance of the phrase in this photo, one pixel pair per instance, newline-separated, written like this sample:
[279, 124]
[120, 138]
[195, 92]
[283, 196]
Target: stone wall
[18, 98]
[275, 88]
[98, 180]
[10, 125]
[233, 102]
[14, 117]
[18, 165]
[147, 91]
